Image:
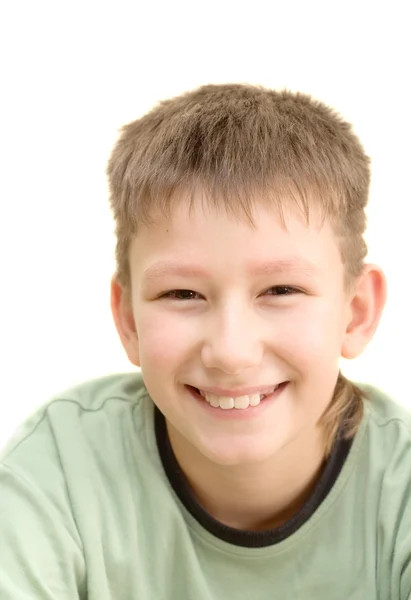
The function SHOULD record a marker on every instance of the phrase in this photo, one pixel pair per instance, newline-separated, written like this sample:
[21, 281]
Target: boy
[240, 463]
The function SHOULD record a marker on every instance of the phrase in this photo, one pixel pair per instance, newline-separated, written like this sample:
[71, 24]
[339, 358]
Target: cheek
[313, 334]
[163, 339]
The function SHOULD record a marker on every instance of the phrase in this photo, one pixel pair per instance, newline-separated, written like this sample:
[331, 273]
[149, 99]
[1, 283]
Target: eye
[181, 295]
[282, 290]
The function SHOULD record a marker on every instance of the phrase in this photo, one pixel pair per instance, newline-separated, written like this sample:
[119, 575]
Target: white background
[73, 72]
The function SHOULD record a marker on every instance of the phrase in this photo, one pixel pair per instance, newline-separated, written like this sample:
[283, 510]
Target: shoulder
[387, 418]
[82, 405]
[80, 448]
[387, 471]
[385, 407]
[95, 393]
[62, 477]
[387, 438]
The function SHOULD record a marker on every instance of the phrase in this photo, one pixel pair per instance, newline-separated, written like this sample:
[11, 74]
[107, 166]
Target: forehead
[211, 238]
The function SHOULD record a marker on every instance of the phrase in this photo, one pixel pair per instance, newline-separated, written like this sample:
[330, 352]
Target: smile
[239, 402]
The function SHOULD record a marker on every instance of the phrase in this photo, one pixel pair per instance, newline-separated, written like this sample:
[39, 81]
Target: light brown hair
[240, 144]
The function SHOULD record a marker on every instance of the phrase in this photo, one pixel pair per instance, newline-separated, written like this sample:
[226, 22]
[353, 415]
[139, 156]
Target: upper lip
[235, 392]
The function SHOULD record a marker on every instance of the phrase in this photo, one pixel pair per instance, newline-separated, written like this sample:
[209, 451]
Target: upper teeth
[240, 402]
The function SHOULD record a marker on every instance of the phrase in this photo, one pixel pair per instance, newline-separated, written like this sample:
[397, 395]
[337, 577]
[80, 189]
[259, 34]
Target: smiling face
[223, 307]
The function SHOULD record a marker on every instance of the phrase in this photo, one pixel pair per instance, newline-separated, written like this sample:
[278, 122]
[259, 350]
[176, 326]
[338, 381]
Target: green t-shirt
[88, 512]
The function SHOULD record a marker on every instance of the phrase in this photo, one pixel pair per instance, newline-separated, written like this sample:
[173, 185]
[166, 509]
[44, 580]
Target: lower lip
[238, 413]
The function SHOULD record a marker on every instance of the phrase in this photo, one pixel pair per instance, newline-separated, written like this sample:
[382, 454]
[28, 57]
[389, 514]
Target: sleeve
[394, 530]
[405, 578]
[405, 571]
[41, 556]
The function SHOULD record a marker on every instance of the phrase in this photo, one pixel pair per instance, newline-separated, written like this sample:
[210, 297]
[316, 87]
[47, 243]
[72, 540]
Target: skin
[238, 328]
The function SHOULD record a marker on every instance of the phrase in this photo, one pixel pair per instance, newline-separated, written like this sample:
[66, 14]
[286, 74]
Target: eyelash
[290, 291]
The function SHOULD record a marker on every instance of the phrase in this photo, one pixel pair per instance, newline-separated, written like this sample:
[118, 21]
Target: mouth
[243, 402]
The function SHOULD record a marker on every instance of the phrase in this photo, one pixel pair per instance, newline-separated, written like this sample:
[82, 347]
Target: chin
[239, 454]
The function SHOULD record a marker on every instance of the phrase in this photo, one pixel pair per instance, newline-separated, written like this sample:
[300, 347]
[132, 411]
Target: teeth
[255, 399]
[225, 402]
[240, 402]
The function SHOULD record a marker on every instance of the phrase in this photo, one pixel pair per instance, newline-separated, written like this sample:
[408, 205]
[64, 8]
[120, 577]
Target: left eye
[181, 294]
[282, 290]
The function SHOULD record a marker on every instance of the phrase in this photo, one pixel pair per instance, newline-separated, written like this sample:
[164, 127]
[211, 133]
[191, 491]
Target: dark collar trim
[249, 539]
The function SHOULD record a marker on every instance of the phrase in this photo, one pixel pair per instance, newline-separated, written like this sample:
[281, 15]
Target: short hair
[239, 145]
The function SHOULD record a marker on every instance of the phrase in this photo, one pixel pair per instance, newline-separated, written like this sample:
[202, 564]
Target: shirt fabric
[90, 509]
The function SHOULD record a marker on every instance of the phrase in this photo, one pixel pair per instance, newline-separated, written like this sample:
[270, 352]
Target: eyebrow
[281, 266]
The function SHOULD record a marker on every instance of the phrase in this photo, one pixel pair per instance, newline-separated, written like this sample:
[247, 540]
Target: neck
[257, 496]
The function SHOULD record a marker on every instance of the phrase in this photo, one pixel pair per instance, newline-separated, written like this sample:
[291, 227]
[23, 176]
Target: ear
[122, 310]
[366, 304]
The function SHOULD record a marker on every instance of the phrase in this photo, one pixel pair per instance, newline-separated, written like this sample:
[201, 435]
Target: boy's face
[264, 306]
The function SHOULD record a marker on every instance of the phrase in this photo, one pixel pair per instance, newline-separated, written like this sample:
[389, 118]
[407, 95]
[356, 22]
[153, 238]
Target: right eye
[181, 295]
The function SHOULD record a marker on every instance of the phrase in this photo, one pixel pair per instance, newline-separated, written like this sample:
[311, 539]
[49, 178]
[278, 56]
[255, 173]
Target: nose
[233, 342]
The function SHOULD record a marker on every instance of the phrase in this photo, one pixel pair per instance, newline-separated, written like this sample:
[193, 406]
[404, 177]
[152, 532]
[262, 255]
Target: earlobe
[122, 311]
[366, 306]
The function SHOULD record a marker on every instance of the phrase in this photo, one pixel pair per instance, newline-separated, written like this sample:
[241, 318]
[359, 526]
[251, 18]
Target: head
[253, 201]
